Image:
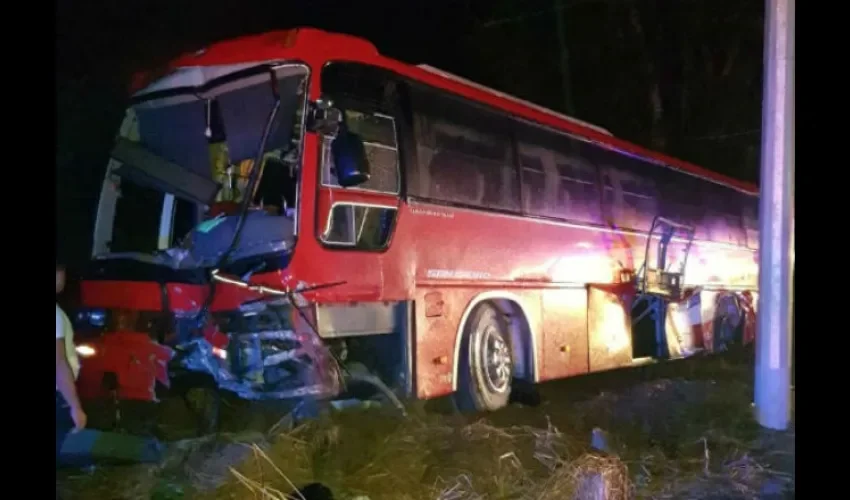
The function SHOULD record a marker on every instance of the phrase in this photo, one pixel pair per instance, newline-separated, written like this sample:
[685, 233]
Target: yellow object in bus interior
[233, 178]
[219, 165]
[242, 174]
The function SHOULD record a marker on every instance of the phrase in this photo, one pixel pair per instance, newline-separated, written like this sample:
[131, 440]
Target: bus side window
[378, 132]
[630, 198]
[533, 179]
[465, 154]
[369, 98]
[557, 181]
[680, 202]
[723, 218]
[750, 216]
[579, 188]
[358, 226]
[612, 198]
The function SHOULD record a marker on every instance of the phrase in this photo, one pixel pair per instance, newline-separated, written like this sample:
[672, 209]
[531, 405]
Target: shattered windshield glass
[212, 135]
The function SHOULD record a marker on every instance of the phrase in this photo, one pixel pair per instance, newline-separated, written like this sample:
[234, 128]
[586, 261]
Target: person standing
[69, 412]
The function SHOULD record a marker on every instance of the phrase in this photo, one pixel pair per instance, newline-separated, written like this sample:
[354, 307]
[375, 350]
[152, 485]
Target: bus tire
[485, 367]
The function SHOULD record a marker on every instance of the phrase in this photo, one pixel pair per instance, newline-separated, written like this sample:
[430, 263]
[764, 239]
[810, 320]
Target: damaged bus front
[197, 222]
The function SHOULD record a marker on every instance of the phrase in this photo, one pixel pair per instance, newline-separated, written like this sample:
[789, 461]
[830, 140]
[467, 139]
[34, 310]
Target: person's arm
[65, 382]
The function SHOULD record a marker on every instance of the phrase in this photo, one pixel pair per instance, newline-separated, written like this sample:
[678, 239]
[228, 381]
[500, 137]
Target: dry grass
[670, 437]
[428, 460]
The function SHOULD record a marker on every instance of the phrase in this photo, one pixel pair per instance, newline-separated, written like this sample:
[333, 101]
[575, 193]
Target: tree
[678, 76]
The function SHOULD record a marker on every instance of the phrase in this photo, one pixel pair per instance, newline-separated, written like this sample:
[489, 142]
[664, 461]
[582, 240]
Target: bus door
[659, 280]
[358, 221]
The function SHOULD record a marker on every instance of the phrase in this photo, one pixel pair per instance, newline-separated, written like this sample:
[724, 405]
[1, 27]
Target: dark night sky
[105, 38]
[99, 44]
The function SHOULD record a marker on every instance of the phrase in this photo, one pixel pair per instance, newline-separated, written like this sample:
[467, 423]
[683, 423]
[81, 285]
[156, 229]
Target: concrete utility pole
[776, 216]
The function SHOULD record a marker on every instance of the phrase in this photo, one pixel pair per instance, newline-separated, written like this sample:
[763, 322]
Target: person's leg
[64, 423]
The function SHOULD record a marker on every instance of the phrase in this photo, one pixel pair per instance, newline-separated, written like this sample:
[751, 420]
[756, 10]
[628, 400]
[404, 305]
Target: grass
[681, 430]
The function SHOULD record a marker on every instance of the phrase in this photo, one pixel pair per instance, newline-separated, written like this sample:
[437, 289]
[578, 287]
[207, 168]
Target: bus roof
[315, 46]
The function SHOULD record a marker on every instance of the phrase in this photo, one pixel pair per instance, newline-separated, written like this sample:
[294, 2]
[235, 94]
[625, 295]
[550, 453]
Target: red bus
[281, 207]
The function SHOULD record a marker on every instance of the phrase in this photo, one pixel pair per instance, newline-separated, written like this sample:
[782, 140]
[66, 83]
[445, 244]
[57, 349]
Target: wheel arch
[523, 339]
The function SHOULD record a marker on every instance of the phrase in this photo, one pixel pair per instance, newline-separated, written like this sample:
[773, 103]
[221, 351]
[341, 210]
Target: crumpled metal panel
[137, 362]
[269, 364]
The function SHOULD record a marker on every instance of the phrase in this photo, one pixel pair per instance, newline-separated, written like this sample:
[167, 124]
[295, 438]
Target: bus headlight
[86, 351]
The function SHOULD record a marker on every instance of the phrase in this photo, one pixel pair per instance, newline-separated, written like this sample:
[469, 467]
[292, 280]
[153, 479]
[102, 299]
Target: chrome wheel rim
[497, 361]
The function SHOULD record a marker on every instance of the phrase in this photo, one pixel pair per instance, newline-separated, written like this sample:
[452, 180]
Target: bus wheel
[728, 325]
[485, 373]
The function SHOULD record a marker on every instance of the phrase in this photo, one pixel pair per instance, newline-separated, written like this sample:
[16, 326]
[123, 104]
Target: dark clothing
[64, 423]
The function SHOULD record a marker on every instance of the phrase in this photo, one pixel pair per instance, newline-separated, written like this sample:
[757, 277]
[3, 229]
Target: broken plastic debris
[598, 440]
[344, 404]
[209, 225]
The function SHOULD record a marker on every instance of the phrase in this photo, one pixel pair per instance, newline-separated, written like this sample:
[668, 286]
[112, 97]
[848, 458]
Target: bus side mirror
[324, 118]
[351, 164]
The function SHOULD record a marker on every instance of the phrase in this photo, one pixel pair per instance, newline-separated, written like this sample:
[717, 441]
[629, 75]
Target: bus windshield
[195, 148]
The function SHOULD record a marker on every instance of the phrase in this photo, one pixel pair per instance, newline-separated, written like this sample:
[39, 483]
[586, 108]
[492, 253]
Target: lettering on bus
[459, 274]
[432, 213]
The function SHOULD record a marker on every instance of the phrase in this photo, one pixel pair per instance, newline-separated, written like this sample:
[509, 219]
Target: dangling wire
[208, 130]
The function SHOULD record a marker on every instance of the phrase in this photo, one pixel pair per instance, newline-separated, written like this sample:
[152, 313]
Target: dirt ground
[675, 430]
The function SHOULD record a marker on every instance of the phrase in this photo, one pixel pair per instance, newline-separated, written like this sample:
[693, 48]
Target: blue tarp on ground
[89, 446]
